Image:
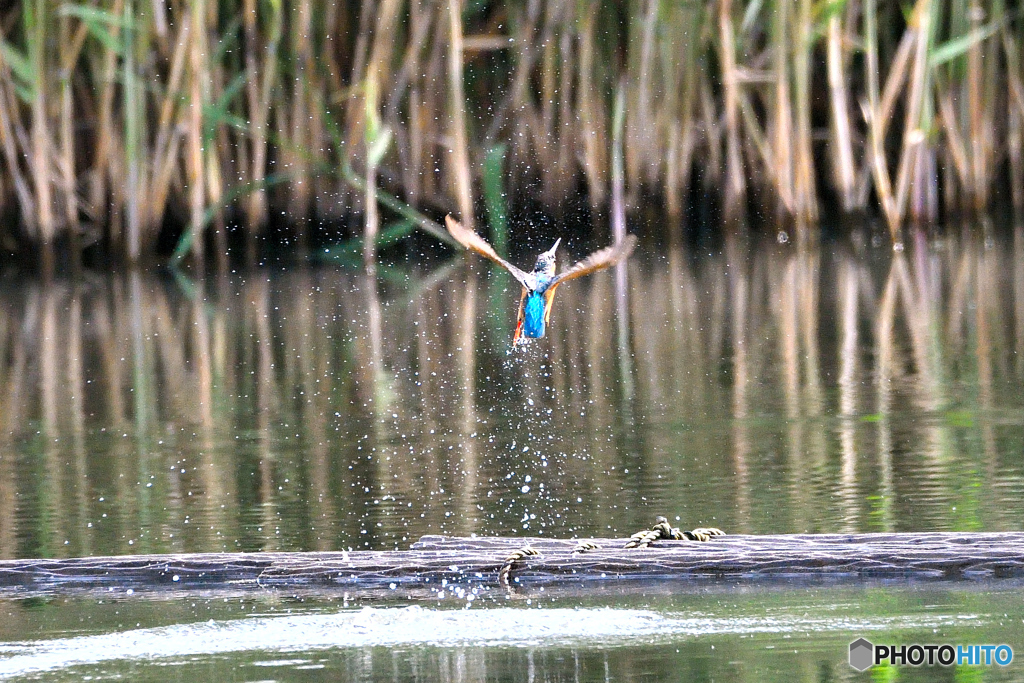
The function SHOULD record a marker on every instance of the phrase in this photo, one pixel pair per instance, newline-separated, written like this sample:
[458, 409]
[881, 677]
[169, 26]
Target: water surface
[757, 387]
[752, 633]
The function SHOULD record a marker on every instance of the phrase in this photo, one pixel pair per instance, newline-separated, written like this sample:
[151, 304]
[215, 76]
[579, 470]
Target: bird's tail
[518, 334]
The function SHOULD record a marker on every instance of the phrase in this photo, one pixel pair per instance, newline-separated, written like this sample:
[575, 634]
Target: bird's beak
[551, 252]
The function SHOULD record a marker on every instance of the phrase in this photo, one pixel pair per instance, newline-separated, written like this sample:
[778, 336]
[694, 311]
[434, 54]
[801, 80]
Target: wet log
[437, 563]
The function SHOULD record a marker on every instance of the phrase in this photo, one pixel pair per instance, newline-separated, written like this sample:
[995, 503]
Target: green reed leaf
[377, 147]
[494, 197]
[101, 24]
[22, 69]
[957, 47]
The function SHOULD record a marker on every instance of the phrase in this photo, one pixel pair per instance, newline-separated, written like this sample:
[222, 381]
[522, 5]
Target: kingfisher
[539, 285]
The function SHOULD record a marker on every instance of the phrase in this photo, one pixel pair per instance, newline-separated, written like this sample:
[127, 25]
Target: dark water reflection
[756, 388]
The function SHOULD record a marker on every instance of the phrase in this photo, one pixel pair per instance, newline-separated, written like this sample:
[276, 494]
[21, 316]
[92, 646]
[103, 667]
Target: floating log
[437, 562]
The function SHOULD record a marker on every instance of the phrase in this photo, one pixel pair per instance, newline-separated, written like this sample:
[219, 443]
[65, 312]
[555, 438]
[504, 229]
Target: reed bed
[127, 125]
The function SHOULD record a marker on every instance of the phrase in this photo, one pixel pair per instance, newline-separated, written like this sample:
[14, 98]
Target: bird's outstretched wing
[472, 241]
[602, 258]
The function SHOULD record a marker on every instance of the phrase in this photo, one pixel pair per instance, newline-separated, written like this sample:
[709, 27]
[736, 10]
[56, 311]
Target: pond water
[749, 633]
[750, 385]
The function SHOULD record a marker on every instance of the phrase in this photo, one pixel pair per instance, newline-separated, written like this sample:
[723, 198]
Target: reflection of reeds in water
[1018, 296]
[774, 389]
[197, 113]
[847, 292]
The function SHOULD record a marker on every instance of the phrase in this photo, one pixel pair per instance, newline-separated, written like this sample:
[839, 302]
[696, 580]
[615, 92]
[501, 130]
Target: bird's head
[546, 261]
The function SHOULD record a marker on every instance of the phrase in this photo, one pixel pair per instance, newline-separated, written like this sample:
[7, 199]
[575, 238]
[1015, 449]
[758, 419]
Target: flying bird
[539, 285]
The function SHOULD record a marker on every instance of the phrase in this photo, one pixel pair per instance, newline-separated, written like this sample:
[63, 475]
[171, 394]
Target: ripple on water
[415, 625]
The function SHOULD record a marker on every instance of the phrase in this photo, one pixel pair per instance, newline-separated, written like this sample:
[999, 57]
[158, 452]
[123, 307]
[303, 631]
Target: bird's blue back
[533, 315]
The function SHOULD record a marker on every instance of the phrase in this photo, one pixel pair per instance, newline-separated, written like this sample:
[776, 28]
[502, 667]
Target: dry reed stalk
[300, 188]
[198, 98]
[565, 171]
[1015, 132]
[873, 113]
[956, 148]
[805, 196]
[69, 50]
[544, 146]
[9, 140]
[843, 164]
[781, 121]
[457, 109]
[433, 109]
[518, 104]
[411, 135]
[979, 105]
[324, 203]
[713, 134]
[917, 121]
[899, 69]
[133, 111]
[219, 148]
[102, 173]
[673, 173]
[643, 154]
[735, 183]
[43, 220]
[255, 204]
[680, 110]
[261, 81]
[378, 65]
[1015, 153]
[361, 49]
[591, 108]
[375, 136]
